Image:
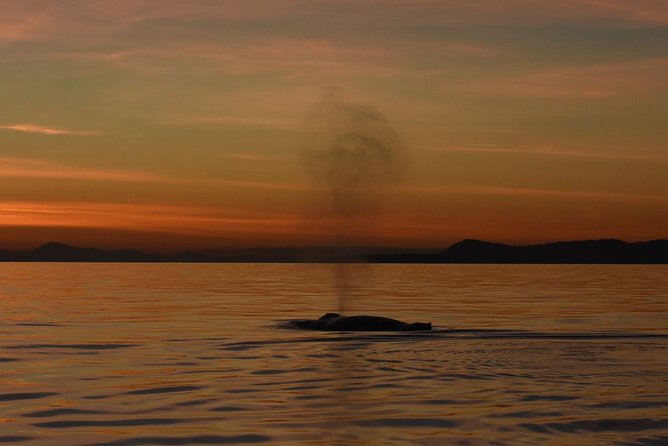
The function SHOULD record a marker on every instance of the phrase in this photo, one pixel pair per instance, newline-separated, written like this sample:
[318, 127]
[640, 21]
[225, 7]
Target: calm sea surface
[179, 354]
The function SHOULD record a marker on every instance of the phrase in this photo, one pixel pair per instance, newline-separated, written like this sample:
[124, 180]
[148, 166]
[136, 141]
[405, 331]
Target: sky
[169, 125]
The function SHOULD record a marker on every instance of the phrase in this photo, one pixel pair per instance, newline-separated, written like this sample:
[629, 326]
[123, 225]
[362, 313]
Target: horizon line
[330, 247]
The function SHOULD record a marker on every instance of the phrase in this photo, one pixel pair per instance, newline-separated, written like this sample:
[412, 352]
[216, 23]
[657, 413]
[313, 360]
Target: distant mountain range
[586, 251]
[465, 251]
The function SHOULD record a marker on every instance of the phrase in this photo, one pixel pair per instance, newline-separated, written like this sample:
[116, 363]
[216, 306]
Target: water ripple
[649, 441]
[25, 396]
[101, 423]
[167, 389]
[354, 340]
[630, 405]
[270, 372]
[548, 398]
[528, 414]
[407, 422]
[38, 324]
[192, 403]
[227, 409]
[200, 439]
[65, 411]
[109, 346]
[602, 425]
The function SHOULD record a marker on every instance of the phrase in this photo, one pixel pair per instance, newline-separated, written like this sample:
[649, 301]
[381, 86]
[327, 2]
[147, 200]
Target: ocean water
[180, 354]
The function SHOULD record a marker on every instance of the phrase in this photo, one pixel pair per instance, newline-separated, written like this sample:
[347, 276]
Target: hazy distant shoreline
[605, 251]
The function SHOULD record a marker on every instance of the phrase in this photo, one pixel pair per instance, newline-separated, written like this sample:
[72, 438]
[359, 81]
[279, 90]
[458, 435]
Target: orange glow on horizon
[164, 123]
[140, 217]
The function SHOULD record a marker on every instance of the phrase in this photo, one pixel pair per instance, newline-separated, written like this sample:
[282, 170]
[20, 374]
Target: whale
[337, 322]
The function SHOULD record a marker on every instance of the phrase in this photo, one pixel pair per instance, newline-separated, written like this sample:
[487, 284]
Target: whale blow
[336, 322]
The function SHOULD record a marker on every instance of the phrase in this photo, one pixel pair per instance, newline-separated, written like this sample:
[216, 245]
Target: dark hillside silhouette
[587, 251]
[606, 251]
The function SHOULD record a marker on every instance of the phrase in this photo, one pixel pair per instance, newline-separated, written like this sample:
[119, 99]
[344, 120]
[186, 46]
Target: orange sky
[168, 125]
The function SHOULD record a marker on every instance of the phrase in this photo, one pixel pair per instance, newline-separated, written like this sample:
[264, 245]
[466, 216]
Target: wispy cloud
[533, 192]
[522, 12]
[24, 21]
[44, 130]
[529, 150]
[650, 12]
[44, 19]
[143, 217]
[469, 48]
[287, 56]
[274, 123]
[593, 81]
[37, 168]
[246, 184]
[553, 151]
[251, 157]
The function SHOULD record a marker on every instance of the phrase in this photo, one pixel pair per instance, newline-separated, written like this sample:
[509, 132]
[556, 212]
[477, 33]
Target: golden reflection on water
[129, 354]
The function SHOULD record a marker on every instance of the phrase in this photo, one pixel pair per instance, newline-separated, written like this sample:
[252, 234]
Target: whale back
[417, 326]
[336, 322]
[364, 323]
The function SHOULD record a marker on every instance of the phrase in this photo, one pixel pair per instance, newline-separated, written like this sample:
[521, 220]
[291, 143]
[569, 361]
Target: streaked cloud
[142, 216]
[44, 130]
[470, 48]
[522, 12]
[251, 157]
[25, 20]
[528, 150]
[269, 122]
[554, 151]
[533, 192]
[650, 12]
[37, 168]
[244, 184]
[593, 81]
[44, 19]
[296, 57]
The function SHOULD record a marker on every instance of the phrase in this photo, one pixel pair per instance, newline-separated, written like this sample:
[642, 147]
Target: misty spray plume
[356, 152]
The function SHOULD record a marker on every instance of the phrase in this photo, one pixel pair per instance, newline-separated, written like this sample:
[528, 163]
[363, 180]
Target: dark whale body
[336, 322]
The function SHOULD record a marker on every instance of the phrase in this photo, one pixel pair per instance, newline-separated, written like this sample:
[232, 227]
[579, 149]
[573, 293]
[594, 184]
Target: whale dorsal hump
[329, 316]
